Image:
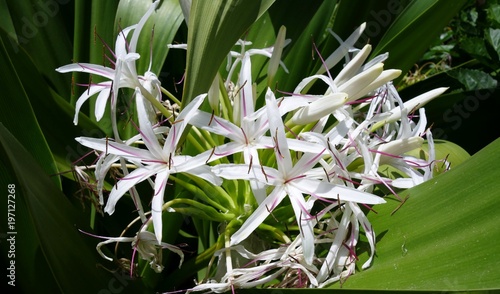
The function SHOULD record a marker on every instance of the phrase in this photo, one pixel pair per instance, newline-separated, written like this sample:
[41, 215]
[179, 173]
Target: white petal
[306, 225]
[343, 49]
[88, 68]
[157, 202]
[385, 77]
[180, 124]
[353, 66]
[398, 147]
[148, 136]
[140, 25]
[258, 216]
[217, 125]
[353, 86]
[121, 42]
[100, 105]
[263, 174]
[125, 184]
[332, 191]
[415, 103]
[319, 108]
[119, 149]
[101, 87]
[277, 130]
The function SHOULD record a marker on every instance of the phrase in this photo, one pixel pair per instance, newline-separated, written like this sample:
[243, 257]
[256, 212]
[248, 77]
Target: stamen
[271, 213]
[211, 154]
[265, 175]
[250, 165]
[400, 204]
[276, 144]
[212, 117]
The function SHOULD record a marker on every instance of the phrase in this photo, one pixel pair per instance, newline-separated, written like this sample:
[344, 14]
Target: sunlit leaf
[165, 22]
[415, 28]
[214, 27]
[442, 237]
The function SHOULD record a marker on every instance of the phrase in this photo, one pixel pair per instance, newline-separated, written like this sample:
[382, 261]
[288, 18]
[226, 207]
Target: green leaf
[443, 237]
[41, 31]
[473, 79]
[493, 13]
[16, 111]
[165, 21]
[46, 224]
[414, 30]
[493, 38]
[89, 32]
[214, 27]
[298, 54]
[475, 47]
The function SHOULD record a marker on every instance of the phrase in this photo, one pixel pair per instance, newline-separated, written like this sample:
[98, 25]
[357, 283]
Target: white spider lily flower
[410, 105]
[155, 160]
[288, 180]
[319, 108]
[353, 67]
[344, 48]
[394, 149]
[261, 268]
[146, 245]
[123, 75]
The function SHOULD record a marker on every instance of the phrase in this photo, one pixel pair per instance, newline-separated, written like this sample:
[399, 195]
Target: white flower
[146, 245]
[123, 75]
[289, 180]
[157, 160]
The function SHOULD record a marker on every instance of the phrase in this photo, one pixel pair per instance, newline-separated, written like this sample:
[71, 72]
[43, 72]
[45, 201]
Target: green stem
[171, 96]
[157, 104]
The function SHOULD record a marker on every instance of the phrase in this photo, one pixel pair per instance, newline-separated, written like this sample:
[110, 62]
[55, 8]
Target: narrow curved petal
[259, 215]
[263, 174]
[216, 125]
[100, 105]
[306, 225]
[157, 202]
[103, 87]
[180, 124]
[125, 184]
[331, 191]
[277, 130]
[148, 135]
[88, 68]
[353, 66]
[140, 25]
[319, 108]
[119, 149]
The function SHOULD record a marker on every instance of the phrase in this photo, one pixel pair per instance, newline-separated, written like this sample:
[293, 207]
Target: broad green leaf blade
[16, 111]
[40, 28]
[6, 22]
[214, 27]
[298, 55]
[28, 257]
[444, 237]
[165, 21]
[52, 222]
[101, 27]
[414, 30]
[32, 93]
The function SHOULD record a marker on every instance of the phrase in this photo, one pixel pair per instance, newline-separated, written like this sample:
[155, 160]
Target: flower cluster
[288, 176]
